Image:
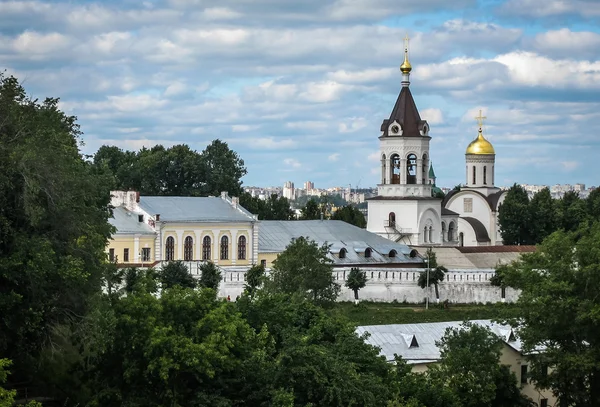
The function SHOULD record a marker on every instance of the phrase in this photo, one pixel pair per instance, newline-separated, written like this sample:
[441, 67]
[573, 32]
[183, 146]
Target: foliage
[558, 311]
[53, 225]
[356, 280]
[350, 214]
[174, 171]
[176, 273]
[210, 276]
[7, 397]
[311, 211]
[318, 358]
[469, 366]
[182, 348]
[303, 267]
[542, 215]
[571, 211]
[436, 273]
[273, 208]
[255, 277]
[514, 217]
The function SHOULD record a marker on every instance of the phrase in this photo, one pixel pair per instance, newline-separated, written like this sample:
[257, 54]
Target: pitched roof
[194, 209]
[405, 112]
[127, 222]
[431, 172]
[392, 339]
[275, 235]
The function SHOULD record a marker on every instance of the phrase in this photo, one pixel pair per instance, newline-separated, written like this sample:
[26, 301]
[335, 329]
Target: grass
[378, 313]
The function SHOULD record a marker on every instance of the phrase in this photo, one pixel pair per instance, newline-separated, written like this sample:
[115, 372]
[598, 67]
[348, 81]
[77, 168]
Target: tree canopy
[350, 214]
[273, 208]
[356, 280]
[174, 171]
[557, 313]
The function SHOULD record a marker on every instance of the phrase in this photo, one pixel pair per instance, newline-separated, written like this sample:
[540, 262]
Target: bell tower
[480, 160]
[404, 209]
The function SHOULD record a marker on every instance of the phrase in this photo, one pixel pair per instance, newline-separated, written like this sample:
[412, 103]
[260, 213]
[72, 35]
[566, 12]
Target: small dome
[406, 67]
[480, 146]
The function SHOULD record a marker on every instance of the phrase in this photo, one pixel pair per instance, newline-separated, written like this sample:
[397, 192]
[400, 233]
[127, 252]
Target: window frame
[242, 242]
[206, 248]
[224, 248]
[170, 248]
[188, 248]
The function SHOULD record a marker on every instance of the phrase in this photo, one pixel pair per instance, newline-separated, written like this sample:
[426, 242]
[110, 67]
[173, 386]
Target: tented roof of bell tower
[406, 114]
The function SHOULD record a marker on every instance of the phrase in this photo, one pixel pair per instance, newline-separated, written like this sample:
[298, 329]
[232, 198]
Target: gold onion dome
[405, 67]
[480, 145]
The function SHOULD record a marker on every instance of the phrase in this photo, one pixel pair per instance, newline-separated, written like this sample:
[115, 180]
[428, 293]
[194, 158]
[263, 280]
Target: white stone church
[405, 208]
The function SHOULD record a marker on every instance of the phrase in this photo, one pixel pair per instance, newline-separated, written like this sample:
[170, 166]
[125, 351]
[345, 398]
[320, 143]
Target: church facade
[407, 207]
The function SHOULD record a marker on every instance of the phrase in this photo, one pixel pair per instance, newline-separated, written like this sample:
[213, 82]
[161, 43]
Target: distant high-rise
[288, 190]
[308, 185]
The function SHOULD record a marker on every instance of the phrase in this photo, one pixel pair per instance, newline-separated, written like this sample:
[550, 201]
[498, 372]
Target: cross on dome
[480, 119]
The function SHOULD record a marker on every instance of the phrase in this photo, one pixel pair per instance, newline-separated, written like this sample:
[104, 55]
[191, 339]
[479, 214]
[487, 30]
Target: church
[407, 207]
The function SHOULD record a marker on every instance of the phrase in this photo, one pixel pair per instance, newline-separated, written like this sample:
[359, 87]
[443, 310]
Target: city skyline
[302, 89]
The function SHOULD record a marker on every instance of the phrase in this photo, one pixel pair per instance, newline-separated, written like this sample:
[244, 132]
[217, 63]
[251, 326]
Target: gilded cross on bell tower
[406, 67]
[480, 120]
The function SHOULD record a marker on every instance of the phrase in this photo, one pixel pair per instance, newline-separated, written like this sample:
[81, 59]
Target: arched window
[206, 248]
[343, 253]
[188, 249]
[424, 169]
[224, 248]
[430, 238]
[485, 175]
[425, 235]
[451, 232]
[443, 231]
[461, 239]
[170, 249]
[395, 165]
[368, 252]
[242, 248]
[393, 253]
[474, 176]
[392, 219]
[411, 169]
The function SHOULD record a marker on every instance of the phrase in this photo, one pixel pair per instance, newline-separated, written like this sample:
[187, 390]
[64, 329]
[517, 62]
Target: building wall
[134, 243]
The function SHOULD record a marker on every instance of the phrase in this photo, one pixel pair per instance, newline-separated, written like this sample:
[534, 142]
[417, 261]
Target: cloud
[292, 163]
[433, 116]
[334, 157]
[550, 8]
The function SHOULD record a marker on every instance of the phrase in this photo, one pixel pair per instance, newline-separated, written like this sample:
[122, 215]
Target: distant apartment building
[288, 190]
[308, 186]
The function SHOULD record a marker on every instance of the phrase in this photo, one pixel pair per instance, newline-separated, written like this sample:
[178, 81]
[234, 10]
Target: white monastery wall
[387, 285]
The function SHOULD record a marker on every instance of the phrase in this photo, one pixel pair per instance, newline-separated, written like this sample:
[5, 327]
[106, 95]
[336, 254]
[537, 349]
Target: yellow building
[416, 344]
[153, 229]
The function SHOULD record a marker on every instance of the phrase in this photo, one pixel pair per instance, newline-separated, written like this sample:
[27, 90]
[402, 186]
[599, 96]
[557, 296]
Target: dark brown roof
[497, 249]
[405, 112]
[491, 200]
[481, 233]
[448, 212]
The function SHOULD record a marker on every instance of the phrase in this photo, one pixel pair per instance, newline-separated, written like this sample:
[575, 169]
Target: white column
[136, 249]
[419, 170]
[216, 246]
[179, 254]
[198, 245]
[233, 245]
[403, 171]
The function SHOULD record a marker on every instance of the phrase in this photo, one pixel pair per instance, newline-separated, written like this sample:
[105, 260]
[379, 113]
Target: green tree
[571, 211]
[514, 217]
[54, 228]
[557, 313]
[436, 273]
[542, 215]
[470, 367]
[255, 277]
[274, 208]
[593, 204]
[356, 280]
[350, 214]
[223, 170]
[303, 267]
[311, 211]
[210, 276]
[176, 273]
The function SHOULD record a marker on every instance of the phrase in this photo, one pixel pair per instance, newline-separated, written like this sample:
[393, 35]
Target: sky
[299, 88]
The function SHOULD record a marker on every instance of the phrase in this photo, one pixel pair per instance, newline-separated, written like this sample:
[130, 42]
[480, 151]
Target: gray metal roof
[275, 235]
[194, 209]
[127, 222]
[396, 339]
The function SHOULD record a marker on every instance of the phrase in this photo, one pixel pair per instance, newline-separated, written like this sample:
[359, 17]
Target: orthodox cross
[480, 119]
[406, 39]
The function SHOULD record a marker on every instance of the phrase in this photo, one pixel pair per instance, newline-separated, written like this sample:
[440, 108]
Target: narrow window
[224, 248]
[188, 249]
[474, 178]
[485, 175]
[146, 254]
[503, 292]
[206, 248]
[126, 255]
[170, 249]
[263, 263]
[111, 254]
[523, 374]
[544, 370]
[242, 248]
[392, 219]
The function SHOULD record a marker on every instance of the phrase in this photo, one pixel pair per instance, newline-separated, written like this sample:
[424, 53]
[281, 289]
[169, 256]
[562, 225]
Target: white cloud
[352, 125]
[433, 116]
[31, 42]
[550, 8]
[292, 163]
[334, 157]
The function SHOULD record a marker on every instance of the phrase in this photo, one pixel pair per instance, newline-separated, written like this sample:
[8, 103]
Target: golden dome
[405, 67]
[480, 146]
